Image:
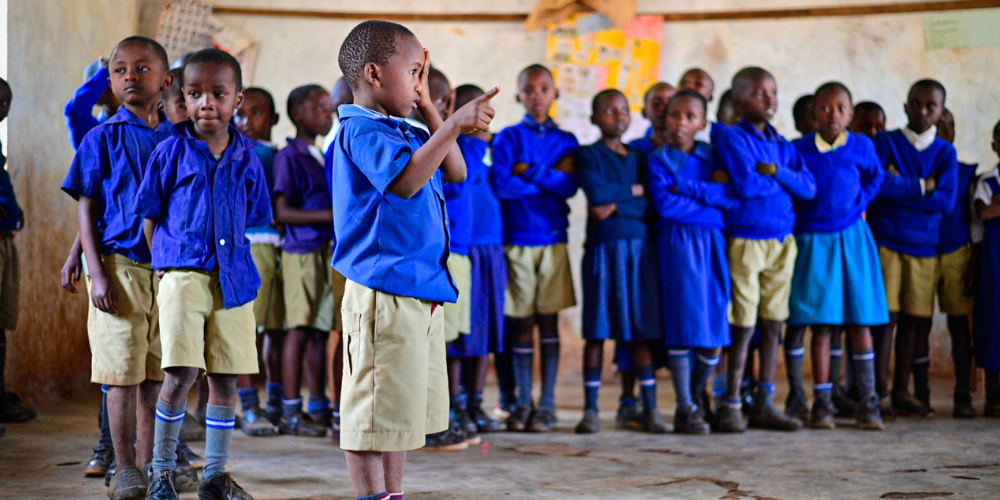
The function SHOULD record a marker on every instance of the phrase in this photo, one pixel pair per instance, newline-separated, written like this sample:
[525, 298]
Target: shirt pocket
[352, 351]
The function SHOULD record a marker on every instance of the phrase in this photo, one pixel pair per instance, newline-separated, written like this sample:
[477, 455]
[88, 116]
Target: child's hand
[566, 165]
[159, 274]
[721, 176]
[603, 212]
[425, 92]
[638, 190]
[520, 168]
[894, 170]
[71, 272]
[476, 115]
[930, 185]
[103, 293]
[768, 169]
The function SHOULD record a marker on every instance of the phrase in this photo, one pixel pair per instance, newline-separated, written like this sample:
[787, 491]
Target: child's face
[5, 98]
[109, 101]
[611, 115]
[760, 101]
[537, 93]
[809, 121]
[211, 96]
[137, 75]
[656, 105]
[256, 117]
[923, 108]
[398, 84]
[727, 113]
[698, 81]
[315, 115]
[685, 117]
[174, 106]
[833, 112]
[868, 122]
[946, 126]
[440, 94]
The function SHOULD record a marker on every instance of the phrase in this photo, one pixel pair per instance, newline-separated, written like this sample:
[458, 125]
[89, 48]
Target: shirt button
[222, 242]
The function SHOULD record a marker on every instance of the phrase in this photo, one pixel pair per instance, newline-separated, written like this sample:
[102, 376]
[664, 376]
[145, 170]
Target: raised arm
[80, 108]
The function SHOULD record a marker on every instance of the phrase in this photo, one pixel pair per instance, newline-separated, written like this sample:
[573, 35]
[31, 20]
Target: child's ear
[592, 120]
[167, 82]
[371, 73]
[239, 98]
[645, 114]
[517, 97]
[274, 119]
[557, 94]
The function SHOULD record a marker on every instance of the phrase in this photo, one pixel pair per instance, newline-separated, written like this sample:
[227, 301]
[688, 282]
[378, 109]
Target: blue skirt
[489, 282]
[694, 286]
[986, 312]
[619, 291]
[838, 279]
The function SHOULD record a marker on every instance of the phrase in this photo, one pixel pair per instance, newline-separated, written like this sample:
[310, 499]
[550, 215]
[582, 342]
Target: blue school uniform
[458, 201]
[108, 168]
[901, 217]
[986, 315]
[203, 207]
[79, 111]
[384, 242]
[838, 277]
[766, 210]
[8, 199]
[644, 145]
[534, 207]
[301, 178]
[956, 224]
[266, 233]
[691, 246]
[618, 269]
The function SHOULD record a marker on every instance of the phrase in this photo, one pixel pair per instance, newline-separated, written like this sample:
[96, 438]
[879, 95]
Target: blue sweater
[847, 180]
[607, 178]
[766, 210]
[487, 220]
[699, 201]
[956, 224]
[534, 207]
[901, 218]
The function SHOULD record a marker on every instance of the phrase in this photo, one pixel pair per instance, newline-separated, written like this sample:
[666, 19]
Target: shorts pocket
[352, 351]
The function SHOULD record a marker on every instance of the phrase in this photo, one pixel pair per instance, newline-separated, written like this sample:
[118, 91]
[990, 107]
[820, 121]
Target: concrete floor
[912, 459]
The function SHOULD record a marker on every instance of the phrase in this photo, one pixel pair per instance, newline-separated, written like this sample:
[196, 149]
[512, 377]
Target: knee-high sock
[167, 429]
[703, 366]
[679, 362]
[550, 368]
[591, 386]
[864, 371]
[961, 352]
[220, 422]
[524, 361]
[105, 443]
[794, 358]
[836, 355]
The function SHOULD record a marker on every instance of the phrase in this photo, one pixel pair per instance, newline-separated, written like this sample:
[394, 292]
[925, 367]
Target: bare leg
[367, 472]
[122, 414]
[392, 465]
[145, 415]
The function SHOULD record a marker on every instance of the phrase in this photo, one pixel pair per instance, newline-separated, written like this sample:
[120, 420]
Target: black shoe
[301, 424]
[797, 405]
[845, 406]
[254, 422]
[868, 413]
[186, 455]
[451, 439]
[589, 424]
[11, 410]
[192, 429]
[688, 420]
[461, 419]
[324, 418]
[483, 421]
[963, 407]
[822, 413]
[222, 487]
[128, 484]
[885, 409]
[705, 407]
[542, 420]
[162, 486]
[15, 400]
[111, 472]
[764, 415]
[654, 422]
[629, 413]
[924, 396]
[906, 405]
[273, 413]
[729, 419]
[518, 419]
[99, 465]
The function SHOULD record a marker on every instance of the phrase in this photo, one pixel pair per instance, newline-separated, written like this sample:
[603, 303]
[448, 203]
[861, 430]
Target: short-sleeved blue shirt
[108, 168]
[384, 242]
[203, 207]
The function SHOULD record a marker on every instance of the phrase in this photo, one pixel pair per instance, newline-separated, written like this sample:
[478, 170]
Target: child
[906, 222]
[654, 107]
[303, 204]
[172, 99]
[837, 280]
[122, 318]
[618, 262]
[869, 119]
[691, 250]
[392, 243]
[95, 91]
[700, 81]
[986, 321]
[726, 114]
[954, 286]
[802, 114]
[767, 174]
[532, 176]
[255, 119]
[203, 188]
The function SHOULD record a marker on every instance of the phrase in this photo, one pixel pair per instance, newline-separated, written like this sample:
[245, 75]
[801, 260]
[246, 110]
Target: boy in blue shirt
[392, 246]
[202, 189]
[533, 177]
[869, 119]
[906, 221]
[122, 318]
[768, 174]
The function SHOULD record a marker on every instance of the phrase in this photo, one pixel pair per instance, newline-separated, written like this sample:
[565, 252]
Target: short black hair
[932, 84]
[605, 95]
[220, 57]
[369, 42]
[466, 93]
[834, 86]
[4, 84]
[534, 67]
[298, 96]
[158, 50]
[996, 130]
[692, 70]
[263, 93]
[726, 98]
[867, 106]
[801, 107]
[176, 85]
[657, 85]
[746, 77]
[690, 94]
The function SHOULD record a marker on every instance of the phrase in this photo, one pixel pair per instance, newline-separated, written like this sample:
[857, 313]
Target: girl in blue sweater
[986, 318]
[837, 279]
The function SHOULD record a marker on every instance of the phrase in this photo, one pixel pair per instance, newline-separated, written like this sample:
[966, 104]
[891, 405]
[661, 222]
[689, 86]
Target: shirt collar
[769, 134]
[238, 146]
[825, 147]
[921, 141]
[125, 116]
[539, 127]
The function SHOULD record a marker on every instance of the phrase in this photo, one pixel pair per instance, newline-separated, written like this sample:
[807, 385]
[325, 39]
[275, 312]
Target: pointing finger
[485, 98]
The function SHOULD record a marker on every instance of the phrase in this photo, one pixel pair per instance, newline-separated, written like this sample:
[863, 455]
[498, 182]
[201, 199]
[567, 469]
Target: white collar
[921, 141]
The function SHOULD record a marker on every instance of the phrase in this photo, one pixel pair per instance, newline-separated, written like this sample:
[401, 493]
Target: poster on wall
[188, 26]
[588, 55]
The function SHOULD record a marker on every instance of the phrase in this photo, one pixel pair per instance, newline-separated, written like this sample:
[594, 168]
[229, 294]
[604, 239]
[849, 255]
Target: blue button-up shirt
[384, 242]
[79, 110]
[203, 207]
[300, 178]
[108, 168]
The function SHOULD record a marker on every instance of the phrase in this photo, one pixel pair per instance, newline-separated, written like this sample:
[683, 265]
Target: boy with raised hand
[392, 244]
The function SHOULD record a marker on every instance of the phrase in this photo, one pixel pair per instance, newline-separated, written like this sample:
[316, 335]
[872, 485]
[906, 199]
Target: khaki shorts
[539, 280]
[458, 316]
[269, 307]
[329, 317]
[306, 282]
[125, 348]
[395, 388]
[10, 283]
[198, 331]
[951, 293]
[761, 272]
[909, 282]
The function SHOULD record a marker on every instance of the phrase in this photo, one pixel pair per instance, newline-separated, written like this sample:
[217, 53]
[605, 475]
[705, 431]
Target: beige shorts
[198, 331]
[306, 282]
[909, 282]
[951, 293]
[395, 388]
[539, 280]
[269, 307]
[10, 283]
[329, 317]
[125, 348]
[458, 316]
[761, 273]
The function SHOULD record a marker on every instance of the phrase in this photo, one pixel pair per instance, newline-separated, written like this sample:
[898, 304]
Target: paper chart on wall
[961, 29]
[189, 26]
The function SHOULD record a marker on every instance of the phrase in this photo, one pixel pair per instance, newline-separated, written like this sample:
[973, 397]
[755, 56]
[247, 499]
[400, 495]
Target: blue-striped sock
[318, 404]
[378, 496]
[169, 419]
[864, 371]
[591, 385]
[550, 370]
[647, 386]
[219, 422]
[275, 393]
[822, 391]
[703, 366]
[679, 362]
[836, 361]
[249, 399]
[396, 496]
[290, 407]
[794, 356]
[524, 361]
